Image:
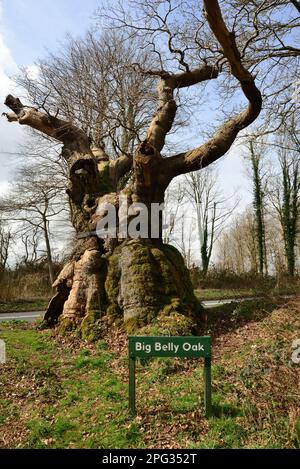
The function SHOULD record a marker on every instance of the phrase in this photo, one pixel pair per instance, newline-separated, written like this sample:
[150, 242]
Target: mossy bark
[146, 281]
[140, 284]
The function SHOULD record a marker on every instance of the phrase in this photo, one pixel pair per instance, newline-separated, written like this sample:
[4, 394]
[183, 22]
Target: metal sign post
[176, 347]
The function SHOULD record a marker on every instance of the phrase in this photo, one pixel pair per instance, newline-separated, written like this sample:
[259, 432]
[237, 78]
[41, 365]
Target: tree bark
[48, 250]
[258, 204]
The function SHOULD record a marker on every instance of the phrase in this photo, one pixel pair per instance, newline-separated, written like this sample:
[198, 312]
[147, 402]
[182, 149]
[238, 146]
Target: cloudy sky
[28, 28]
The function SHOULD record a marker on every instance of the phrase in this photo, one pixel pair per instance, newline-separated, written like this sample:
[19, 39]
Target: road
[33, 315]
[30, 316]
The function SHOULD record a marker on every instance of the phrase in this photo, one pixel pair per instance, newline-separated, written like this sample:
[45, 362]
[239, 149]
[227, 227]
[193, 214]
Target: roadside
[206, 296]
[32, 316]
[78, 398]
[39, 304]
[223, 294]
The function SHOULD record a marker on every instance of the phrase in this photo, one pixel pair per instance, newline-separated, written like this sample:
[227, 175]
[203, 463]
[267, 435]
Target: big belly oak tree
[134, 281]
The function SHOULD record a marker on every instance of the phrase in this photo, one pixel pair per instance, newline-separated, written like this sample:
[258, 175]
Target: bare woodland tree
[272, 232]
[173, 203]
[5, 242]
[179, 223]
[185, 238]
[258, 177]
[33, 201]
[211, 210]
[134, 280]
[285, 198]
[237, 246]
[92, 85]
[30, 243]
[275, 248]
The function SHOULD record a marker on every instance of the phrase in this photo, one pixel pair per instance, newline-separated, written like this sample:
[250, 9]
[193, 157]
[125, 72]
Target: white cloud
[10, 134]
[7, 63]
[4, 187]
[33, 72]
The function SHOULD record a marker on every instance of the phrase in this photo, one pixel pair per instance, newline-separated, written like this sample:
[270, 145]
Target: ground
[37, 304]
[78, 398]
[236, 293]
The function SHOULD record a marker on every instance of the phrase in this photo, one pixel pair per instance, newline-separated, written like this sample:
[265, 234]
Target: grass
[227, 293]
[223, 294]
[38, 304]
[78, 398]
[231, 316]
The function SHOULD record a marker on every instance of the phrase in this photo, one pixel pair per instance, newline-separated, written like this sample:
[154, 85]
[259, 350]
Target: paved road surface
[213, 303]
[33, 315]
[30, 316]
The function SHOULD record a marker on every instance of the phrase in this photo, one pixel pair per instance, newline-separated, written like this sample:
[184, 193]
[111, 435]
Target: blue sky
[28, 28]
[33, 26]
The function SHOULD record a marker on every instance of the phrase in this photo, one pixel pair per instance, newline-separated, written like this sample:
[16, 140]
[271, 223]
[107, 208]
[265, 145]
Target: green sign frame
[170, 346]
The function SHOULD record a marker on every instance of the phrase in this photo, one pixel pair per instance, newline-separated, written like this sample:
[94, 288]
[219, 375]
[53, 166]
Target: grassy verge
[39, 304]
[224, 294]
[78, 398]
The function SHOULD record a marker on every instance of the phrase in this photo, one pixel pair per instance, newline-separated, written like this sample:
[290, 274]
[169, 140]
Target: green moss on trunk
[142, 285]
[105, 181]
[148, 283]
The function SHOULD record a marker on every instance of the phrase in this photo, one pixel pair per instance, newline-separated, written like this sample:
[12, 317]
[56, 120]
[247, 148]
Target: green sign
[176, 347]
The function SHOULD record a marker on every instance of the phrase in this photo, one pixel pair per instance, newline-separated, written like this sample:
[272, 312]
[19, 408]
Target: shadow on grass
[218, 411]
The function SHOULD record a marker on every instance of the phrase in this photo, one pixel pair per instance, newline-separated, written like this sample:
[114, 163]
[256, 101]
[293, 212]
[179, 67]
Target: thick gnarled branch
[296, 4]
[164, 117]
[77, 150]
[71, 136]
[220, 143]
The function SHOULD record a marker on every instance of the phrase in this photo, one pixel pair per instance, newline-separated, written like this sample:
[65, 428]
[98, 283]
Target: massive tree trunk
[120, 281]
[138, 283]
[135, 282]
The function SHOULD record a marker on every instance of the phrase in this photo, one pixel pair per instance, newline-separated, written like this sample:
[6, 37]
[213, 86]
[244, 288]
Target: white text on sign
[169, 347]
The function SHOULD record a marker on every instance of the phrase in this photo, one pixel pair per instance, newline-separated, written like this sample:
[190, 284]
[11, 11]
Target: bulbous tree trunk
[138, 284]
[130, 282]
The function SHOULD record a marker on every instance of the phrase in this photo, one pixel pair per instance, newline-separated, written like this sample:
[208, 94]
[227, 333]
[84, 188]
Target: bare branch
[56, 128]
[220, 143]
[296, 4]
[164, 117]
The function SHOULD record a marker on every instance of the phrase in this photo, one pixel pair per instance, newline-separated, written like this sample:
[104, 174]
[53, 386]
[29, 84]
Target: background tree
[92, 85]
[5, 242]
[33, 201]
[173, 204]
[237, 245]
[185, 235]
[211, 209]
[258, 176]
[30, 244]
[285, 197]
